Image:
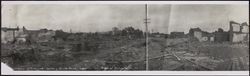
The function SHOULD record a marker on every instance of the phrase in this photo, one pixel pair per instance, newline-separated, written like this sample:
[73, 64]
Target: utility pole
[146, 24]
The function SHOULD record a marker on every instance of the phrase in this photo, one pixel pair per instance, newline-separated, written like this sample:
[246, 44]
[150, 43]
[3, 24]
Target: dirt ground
[213, 55]
[164, 54]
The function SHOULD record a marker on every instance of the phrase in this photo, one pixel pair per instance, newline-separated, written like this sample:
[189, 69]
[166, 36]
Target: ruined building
[221, 36]
[238, 32]
[8, 34]
[201, 35]
[22, 35]
[42, 35]
[45, 35]
[177, 35]
[12, 34]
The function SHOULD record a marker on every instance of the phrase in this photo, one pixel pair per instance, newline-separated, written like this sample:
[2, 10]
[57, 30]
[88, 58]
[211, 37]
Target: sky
[207, 17]
[164, 18]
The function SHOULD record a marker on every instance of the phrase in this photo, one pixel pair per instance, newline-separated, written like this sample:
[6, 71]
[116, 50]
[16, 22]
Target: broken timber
[180, 58]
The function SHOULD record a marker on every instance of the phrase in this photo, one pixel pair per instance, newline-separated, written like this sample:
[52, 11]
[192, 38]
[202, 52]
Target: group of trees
[128, 31]
[61, 35]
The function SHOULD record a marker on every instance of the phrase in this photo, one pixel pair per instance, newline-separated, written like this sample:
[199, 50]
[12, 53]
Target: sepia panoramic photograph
[125, 37]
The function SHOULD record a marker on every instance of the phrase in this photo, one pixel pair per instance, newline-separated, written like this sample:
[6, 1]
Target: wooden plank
[242, 63]
[180, 58]
[204, 67]
[228, 65]
[233, 64]
[139, 60]
[237, 64]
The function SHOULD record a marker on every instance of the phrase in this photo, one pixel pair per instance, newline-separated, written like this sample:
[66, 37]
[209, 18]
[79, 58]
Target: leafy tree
[61, 34]
[220, 30]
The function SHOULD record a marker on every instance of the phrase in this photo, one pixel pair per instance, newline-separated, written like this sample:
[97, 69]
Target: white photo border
[6, 71]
